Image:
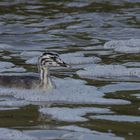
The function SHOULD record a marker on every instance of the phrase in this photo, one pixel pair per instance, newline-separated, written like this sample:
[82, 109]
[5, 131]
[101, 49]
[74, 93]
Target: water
[98, 98]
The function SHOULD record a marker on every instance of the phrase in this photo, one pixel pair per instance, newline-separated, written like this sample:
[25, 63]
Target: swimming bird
[46, 60]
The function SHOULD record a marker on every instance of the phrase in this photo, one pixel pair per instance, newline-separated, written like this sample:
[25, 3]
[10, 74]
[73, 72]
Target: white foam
[78, 4]
[5, 47]
[10, 67]
[122, 86]
[13, 103]
[32, 61]
[137, 95]
[109, 71]
[73, 114]
[78, 58]
[8, 108]
[26, 54]
[64, 133]
[68, 91]
[124, 46]
[99, 52]
[6, 65]
[132, 64]
[15, 69]
[6, 57]
[77, 129]
[31, 57]
[88, 136]
[119, 118]
[74, 128]
[20, 74]
[11, 134]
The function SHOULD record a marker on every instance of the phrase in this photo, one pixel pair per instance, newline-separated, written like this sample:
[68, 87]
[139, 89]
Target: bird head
[50, 59]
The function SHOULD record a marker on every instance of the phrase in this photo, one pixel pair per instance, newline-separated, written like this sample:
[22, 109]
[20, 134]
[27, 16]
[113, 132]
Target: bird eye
[50, 63]
[53, 57]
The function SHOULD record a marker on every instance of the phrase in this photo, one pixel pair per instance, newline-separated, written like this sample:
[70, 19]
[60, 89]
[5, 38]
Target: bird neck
[46, 82]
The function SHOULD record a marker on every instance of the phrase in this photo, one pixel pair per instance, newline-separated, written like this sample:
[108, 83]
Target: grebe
[46, 60]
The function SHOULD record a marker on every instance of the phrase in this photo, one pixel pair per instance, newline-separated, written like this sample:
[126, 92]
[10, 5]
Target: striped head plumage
[50, 59]
[46, 60]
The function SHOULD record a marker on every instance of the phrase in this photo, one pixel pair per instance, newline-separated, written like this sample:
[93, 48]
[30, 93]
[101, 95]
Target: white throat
[46, 82]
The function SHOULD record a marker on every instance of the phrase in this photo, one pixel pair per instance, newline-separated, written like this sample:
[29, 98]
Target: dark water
[71, 27]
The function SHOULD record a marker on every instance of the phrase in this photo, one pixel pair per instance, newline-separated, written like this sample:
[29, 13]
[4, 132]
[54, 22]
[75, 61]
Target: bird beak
[65, 65]
[62, 63]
